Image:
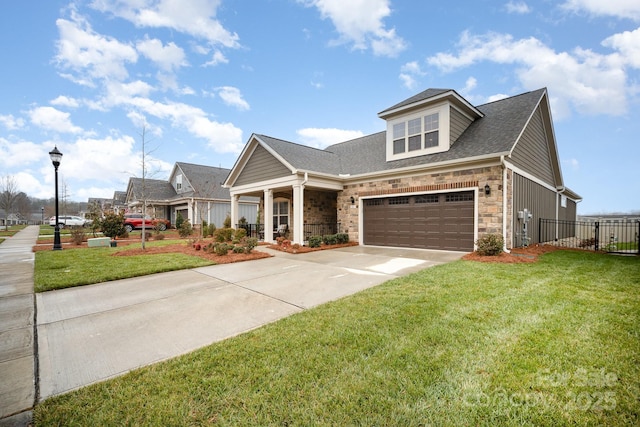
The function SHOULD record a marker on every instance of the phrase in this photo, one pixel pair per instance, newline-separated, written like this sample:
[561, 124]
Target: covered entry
[428, 221]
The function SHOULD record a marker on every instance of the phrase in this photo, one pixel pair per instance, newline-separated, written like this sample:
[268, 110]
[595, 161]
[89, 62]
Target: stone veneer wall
[319, 207]
[489, 207]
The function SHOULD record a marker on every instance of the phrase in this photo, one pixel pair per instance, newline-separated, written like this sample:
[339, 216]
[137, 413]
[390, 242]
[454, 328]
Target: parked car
[69, 221]
[134, 221]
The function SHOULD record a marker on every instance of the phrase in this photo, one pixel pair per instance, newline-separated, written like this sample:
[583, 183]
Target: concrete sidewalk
[91, 333]
[17, 318]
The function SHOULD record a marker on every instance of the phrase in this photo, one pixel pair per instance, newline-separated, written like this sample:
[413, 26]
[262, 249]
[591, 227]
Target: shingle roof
[495, 133]
[154, 189]
[429, 93]
[205, 180]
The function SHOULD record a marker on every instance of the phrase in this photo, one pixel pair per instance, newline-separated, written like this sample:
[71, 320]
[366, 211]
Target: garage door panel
[430, 221]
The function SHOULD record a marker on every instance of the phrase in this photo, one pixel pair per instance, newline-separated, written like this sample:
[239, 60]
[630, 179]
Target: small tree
[112, 225]
[179, 220]
[185, 229]
[227, 222]
[8, 195]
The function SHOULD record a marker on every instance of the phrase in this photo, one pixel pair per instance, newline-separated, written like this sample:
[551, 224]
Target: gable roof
[205, 181]
[153, 189]
[493, 135]
[430, 96]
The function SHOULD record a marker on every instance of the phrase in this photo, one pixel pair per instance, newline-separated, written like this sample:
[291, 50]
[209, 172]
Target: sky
[191, 80]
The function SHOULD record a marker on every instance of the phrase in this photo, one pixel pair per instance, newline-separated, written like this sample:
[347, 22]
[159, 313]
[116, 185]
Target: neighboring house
[444, 173]
[194, 191]
[119, 202]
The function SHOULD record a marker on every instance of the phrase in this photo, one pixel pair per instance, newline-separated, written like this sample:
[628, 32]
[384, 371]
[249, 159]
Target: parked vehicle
[135, 221]
[69, 221]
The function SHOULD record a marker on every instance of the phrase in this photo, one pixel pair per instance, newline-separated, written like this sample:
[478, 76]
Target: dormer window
[178, 182]
[418, 134]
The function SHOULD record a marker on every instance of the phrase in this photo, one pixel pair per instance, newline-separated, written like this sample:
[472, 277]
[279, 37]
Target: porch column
[298, 214]
[268, 215]
[234, 210]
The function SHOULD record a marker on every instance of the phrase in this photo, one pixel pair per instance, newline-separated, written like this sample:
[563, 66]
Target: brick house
[444, 173]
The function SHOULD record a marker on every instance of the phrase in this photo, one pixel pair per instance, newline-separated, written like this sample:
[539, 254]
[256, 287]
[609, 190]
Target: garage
[427, 221]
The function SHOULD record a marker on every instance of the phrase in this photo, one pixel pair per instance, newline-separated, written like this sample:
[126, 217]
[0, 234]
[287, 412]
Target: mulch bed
[190, 250]
[305, 249]
[517, 255]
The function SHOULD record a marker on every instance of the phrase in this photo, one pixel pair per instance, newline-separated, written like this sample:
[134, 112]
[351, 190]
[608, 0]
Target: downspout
[504, 204]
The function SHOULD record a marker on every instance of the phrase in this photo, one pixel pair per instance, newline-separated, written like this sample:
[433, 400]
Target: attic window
[178, 182]
[417, 133]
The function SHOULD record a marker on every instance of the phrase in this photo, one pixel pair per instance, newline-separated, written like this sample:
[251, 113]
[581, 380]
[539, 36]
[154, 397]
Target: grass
[10, 230]
[78, 267]
[551, 343]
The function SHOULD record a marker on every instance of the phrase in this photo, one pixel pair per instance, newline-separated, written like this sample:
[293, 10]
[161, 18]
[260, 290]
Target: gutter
[504, 204]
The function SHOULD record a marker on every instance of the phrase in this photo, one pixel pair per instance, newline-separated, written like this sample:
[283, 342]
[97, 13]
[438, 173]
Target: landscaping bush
[330, 239]
[315, 241]
[220, 248]
[112, 225]
[78, 236]
[185, 229]
[238, 249]
[239, 234]
[490, 244]
[223, 234]
[211, 229]
[342, 238]
[179, 220]
[158, 236]
[249, 243]
[227, 222]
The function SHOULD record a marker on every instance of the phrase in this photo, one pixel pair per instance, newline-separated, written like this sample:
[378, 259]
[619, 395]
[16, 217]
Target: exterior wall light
[353, 200]
[487, 190]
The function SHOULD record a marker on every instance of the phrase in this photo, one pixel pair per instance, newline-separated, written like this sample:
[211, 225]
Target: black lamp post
[56, 156]
[42, 215]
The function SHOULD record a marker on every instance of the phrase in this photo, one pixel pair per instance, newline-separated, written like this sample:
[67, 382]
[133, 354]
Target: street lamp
[42, 215]
[56, 156]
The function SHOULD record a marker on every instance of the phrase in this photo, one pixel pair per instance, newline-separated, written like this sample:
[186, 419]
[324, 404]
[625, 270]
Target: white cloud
[10, 122]
[193, 17]
[469, 85]
[628, 44]
[629, 9]
[409, 73]
[323, 137]
[168, 57]
[497, 97]
[573, 163]
[517, 7]
[65, 101]
[232, 96]
[582, 80]
[50, 118]
[217, 58]
[360, 23]
[20, 153]
[90, 55]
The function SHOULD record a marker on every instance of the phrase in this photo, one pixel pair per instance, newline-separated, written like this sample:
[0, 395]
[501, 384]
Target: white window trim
[444, 119]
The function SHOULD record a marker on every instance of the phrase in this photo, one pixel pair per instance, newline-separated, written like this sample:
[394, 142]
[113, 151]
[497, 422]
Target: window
[459, 197]
[427, 198]
[280, 213]
[563, 201]
[416, 134]
[374, 202]
[178, 182]
[399, 201]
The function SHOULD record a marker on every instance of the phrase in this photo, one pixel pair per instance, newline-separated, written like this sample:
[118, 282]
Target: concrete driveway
[92, 333]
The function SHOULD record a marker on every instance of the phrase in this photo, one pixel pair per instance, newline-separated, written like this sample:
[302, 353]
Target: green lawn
[10, 230]
[551, 343]
[77, 267]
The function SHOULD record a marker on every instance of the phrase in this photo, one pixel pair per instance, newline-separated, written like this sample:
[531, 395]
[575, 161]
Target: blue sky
[201, 76]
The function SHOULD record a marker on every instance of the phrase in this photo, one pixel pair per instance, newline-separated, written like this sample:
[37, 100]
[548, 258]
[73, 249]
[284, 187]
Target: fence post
[597, 237]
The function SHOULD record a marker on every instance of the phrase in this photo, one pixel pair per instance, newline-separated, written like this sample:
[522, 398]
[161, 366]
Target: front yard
[555, 342]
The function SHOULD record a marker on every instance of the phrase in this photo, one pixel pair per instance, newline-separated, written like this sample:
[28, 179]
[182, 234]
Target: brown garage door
[428, 221]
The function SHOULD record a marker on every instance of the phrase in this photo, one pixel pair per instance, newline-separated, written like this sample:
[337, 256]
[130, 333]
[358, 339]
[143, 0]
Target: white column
[298, 214]
[234, 210]
[268, 215]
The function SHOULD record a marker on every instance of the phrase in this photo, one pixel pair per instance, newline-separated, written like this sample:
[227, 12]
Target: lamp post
[56, 156]
[42, 215]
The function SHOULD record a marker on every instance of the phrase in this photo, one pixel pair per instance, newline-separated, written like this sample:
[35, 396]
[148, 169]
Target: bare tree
[22, 206]
[8, 195]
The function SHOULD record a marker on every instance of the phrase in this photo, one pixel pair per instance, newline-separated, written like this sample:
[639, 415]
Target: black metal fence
[615, 236]
[253, 230]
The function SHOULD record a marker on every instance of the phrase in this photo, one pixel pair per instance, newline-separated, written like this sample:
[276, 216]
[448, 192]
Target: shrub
[211, 229]
[227, 222]
[249, 243]
[179, 220]
[112, 225]
[223, 235]
[584, 243]
[78, 236]
[220, 248]
[239, 234]
[342, 238]
[279, 240]
[238, 249]
[490, 244]
[330, 239]
[315, 241]
[147, 235]
[185, 229]
[157, 227]
[158, 236]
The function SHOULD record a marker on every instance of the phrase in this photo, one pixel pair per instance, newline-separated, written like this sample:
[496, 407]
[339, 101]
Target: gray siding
[261, 166]
[532, 150]
[541, 203]
[459, 123]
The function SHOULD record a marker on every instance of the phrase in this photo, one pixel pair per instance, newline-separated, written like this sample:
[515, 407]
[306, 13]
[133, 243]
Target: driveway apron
[91, 333]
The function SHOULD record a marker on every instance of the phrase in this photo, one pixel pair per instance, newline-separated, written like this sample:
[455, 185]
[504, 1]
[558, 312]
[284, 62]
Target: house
[119, 202]
[193, 191]
[442, 174]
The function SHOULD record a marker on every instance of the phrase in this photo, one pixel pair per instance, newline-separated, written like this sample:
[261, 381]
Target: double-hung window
[415, 134]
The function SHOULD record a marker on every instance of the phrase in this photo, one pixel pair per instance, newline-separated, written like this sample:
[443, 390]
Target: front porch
[295, 213]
